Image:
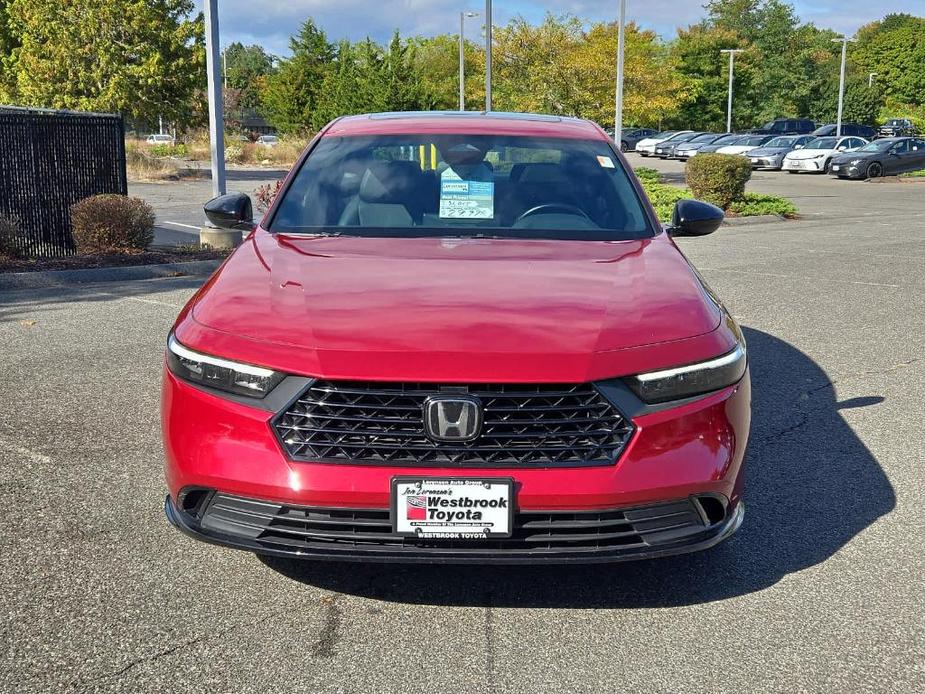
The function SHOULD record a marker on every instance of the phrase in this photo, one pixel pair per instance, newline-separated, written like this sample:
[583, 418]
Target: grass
[664, 197]
[142, 166]
[914, 174]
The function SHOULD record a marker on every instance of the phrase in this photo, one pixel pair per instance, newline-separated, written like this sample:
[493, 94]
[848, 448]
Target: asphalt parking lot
[820, 591]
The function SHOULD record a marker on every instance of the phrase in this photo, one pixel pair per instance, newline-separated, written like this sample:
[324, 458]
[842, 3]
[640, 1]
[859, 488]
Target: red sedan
[457, 337]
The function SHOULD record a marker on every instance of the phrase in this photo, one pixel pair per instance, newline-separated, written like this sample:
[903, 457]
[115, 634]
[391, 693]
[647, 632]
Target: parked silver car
[771, 154]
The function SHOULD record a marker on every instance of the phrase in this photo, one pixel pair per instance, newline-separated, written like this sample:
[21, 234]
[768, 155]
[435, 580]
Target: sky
[269, 23]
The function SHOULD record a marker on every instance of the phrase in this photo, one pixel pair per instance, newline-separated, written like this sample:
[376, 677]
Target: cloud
[271, 23]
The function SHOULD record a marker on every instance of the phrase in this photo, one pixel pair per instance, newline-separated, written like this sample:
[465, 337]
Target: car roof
[465, 122]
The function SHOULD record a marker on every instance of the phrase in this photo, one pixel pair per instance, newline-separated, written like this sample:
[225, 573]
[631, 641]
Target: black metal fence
[48, 161]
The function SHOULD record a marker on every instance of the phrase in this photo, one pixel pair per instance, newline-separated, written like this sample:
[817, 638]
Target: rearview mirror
[695, 218]
[231, 211]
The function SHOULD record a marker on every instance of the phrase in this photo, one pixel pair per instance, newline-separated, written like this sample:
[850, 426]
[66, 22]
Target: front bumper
[767, 163]
[692, 449]
[848, 170]
[305, 533]
[807, 165]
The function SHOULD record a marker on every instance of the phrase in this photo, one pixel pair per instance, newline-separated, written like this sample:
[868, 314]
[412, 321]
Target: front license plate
[835, 167]
[452, 508]
[754, 161]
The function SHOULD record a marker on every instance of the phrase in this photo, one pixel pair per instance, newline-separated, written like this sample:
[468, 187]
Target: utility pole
[841, 81]
[732, 52]
[618, 115]
[216, 126]
[462, 57]
[487, 55]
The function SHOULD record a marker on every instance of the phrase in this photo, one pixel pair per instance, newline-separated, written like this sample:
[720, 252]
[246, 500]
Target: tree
[292, 92]
[894, 48]
[144, 59]
[244, 68]
[436, 64]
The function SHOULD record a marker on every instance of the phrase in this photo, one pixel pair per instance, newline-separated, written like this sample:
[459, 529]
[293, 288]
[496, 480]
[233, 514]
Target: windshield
[462, 185]
[822, 143]
[728, 140]
[876, 146]
[753, 141]
[780, 142]
[707, 137]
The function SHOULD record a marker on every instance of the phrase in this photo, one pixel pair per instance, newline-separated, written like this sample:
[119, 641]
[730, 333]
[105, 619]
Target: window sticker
[464, 199]
[606, 162]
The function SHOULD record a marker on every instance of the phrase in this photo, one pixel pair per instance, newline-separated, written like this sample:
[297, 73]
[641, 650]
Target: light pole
[732, 53]
[618, 115]
[216, 127]
[487, 55]
[870, 79]
[841, 81]
[462, 57]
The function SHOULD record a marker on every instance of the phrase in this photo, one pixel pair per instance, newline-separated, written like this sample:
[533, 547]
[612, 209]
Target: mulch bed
[83, 262]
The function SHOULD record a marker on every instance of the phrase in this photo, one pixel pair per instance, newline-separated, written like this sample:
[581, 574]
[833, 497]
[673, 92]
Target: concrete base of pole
[221, 239]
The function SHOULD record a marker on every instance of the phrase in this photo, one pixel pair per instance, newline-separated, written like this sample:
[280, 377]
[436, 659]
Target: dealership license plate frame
[506, 482]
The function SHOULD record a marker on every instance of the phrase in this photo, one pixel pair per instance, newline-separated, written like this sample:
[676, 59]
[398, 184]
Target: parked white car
[161, 139]
[268, 140]
[746, 143]
[646, 147]
[817, 154]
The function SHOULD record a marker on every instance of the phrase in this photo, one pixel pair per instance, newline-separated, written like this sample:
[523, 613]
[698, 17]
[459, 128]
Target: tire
[643, 154]
[791, 171]
[624, 147]
[827, 167]
[874, 170]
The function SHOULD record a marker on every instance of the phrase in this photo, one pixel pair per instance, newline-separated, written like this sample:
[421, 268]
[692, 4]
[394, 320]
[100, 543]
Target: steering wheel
[552, 207]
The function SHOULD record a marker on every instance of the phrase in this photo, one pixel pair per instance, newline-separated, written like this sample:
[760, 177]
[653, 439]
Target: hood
[347, 305]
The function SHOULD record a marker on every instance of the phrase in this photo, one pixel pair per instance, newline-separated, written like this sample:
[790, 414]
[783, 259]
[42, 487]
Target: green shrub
[9, 231]
[646, 174]
[234, 154]
[112, 224]
[718, 178]
[178, 150]
[757, 203]
[663, 197]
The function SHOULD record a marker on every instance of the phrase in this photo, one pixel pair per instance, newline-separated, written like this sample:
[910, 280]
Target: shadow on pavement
[811, 486]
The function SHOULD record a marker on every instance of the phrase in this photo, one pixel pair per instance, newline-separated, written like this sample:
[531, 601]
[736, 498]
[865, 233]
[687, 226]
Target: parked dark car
[897, 127]
[786, 126]
[664, 150]
[771, 154]
[724, 141]
[884, 157]
[865, 131]
[630, 137]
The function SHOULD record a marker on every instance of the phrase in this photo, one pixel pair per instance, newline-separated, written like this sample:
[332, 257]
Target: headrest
[391, 182]
[538, 173]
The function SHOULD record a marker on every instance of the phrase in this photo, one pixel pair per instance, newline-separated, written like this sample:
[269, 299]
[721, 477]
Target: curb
[64, 278]
[756, 219]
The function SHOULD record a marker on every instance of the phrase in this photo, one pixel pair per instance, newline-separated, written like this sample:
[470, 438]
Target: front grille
[382, 423]
[278, 526]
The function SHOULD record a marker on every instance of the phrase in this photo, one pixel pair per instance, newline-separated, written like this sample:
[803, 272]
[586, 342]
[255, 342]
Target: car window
[900, 147]
[462, 185]
[822, 143]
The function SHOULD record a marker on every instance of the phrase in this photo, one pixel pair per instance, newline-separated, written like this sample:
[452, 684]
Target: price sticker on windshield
[462, 199]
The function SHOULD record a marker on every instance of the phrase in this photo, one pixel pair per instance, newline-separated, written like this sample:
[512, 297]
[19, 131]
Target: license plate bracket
[452, 508]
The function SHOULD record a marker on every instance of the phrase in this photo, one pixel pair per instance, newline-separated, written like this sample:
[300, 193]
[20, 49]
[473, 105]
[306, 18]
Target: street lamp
[487, 55]
[462, 57]
[618, 115]
[841, 81]
[732, 52]
[216, 127]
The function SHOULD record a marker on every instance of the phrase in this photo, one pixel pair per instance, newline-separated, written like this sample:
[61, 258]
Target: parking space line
[22, 450]
[180, 224]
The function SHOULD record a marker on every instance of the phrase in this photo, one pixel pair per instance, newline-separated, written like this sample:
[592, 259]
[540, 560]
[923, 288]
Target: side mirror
[231, 211]
[695, 218]
[798, 147]
[842, 148]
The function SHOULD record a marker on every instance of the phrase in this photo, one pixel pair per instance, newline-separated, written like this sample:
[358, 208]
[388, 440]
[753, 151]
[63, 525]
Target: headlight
[818, 156]
[693, 379]
[231, 376]
[855, 162]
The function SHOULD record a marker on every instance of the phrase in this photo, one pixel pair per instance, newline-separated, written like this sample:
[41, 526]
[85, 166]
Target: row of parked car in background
[785, 145]
[168, 139]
